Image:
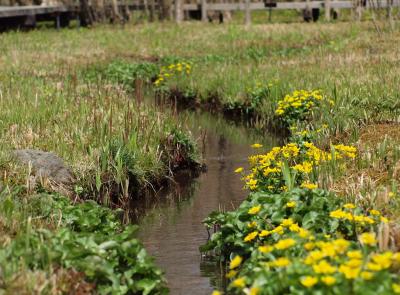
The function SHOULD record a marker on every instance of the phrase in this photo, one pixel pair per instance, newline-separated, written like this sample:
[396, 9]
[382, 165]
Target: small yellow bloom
[354, 254]
[254, 291]
[323, 267]
[215, 292]
[328, 280]
[374, 212]
[251, 236]
[252, 224]
[287, 222]
[396, 288]
[264, 233]
[235, 262]
[284, 244]
[309, 246]
[349, 206]
[231, 274]
[254, 210]
[239, 283]
[309, 185]
[349, 272]
[239, 170]
[281, 262]
[367, 275]
[291, 204]
[256, 146]
[384, 219]
[308, 281]
[265, 249]
[368, 239]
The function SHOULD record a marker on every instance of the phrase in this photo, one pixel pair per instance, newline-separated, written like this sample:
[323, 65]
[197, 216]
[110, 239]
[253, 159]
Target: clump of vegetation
[122, 72]
[82, 238]
[290, 237]
[299, 105]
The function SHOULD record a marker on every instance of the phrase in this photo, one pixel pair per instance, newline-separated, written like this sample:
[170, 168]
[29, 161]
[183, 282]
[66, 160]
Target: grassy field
[74, 92]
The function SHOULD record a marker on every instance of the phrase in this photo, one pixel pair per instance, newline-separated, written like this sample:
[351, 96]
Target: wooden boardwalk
[341, 4]
[9, 13]
[15, 11]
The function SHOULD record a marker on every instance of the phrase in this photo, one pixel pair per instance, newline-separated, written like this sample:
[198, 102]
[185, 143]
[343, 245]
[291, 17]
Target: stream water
[172, 229]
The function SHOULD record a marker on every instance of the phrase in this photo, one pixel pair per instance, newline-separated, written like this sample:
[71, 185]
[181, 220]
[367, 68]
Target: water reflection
[172, 230]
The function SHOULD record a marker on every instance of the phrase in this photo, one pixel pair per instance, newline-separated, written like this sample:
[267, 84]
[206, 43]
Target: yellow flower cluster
[266, 169]
[348, 214]
[298, 99]
[172, 70]
[286, 226]
[345, 151]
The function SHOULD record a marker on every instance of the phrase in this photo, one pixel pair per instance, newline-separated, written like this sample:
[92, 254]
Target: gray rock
[46, 165]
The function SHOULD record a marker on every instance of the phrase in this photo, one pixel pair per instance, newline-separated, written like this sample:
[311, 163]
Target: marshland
[201, 158]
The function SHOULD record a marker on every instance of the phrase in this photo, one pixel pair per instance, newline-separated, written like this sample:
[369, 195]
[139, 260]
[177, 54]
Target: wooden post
[203, 10]
[389, 13]
[247, 13]
[178, 11]
[327, 10]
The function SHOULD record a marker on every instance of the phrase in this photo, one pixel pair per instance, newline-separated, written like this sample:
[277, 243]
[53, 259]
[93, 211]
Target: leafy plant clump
[290, 237]
[123, 73]
[87, 238]
[299, 106]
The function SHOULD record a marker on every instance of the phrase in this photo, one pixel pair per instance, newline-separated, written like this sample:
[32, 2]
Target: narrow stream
[172, 229]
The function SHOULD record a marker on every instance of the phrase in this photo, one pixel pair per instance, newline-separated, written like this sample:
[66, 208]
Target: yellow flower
[256, 146]
[328, 280]
[254, 210]
[308, 185]
[374, 212]
[373, 266]
[252, 224]
[281, 262]
[349, 272]
[235, 262]
[349, 206]
[339, 214]
[251, 236]
[354, 254]
[384, 260]
[287, 222]
[264, 233]
[367, 275]
[291, 204]
[254, 291]
[308, 281]
[239, 170]
[324, 267]
[239, 283]
[309, 246]
[215, 292]
[231, 274]
[303, 233]
[294, 228]
[354, 263]
[284, 244]
[368, 239]
[384, 219]
[265, 249]
[396, 288]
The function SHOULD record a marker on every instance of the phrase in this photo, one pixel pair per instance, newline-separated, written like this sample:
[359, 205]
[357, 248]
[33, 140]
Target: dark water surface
[172, 229]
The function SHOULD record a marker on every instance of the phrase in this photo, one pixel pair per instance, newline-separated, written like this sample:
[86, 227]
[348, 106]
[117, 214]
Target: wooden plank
[283, 5]
[13, 11]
